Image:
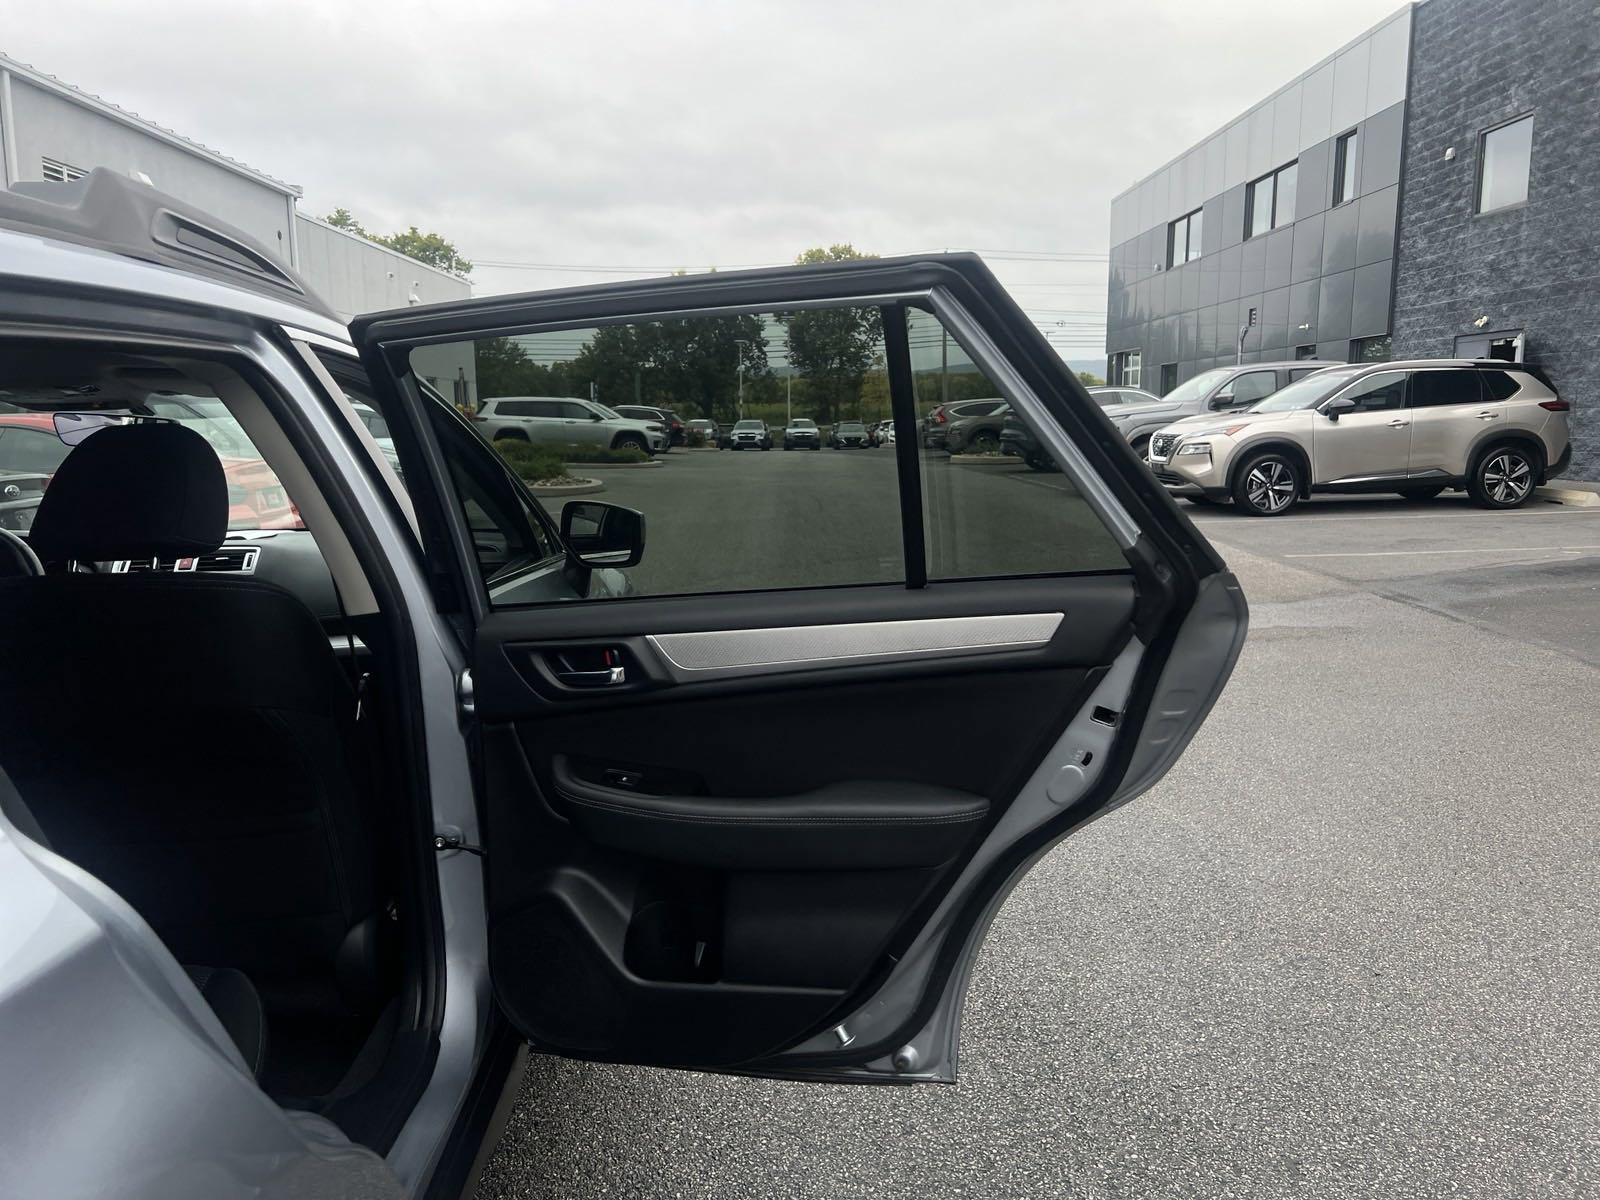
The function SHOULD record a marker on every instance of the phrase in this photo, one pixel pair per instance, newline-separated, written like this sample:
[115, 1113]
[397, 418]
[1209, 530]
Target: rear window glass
[1500, 385]
[1429, 389]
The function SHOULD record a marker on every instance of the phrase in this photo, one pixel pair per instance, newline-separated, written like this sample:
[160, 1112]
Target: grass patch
[548, 464]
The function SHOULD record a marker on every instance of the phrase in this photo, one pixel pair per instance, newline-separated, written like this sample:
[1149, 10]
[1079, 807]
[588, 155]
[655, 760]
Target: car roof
[117, 215]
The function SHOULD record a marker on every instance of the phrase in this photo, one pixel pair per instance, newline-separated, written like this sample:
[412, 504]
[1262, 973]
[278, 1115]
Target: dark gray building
[1430, 190]
[1287, 215]
[1499, 252]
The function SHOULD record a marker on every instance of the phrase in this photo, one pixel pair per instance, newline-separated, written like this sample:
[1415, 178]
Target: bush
[591, 453]
[696, 439]
[531, 462]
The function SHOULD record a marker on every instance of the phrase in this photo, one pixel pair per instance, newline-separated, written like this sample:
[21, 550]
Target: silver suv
[1215, 390]
[566, 421]
[1417, 428]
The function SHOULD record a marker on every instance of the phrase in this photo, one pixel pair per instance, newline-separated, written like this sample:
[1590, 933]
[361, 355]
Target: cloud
[649, 134]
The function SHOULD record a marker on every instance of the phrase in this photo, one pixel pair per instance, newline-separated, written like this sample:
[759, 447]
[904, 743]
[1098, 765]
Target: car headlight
[1193, 450]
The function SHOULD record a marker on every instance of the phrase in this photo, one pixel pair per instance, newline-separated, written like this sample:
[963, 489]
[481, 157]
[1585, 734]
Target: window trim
[1344, 171]
[65, 172]
[1477, 176]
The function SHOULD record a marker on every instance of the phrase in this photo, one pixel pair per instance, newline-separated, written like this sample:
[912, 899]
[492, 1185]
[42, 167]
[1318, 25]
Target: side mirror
[1220, 402]
[73, 428]
[1333, 409]
[602, 535]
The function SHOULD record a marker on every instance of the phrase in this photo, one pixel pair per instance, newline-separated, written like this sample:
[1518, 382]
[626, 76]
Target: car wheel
[1504, 477]
[984, 442]
[1268, 485]
[1141, 447]
[1039, 462]
[1422, 493]
[631, 441]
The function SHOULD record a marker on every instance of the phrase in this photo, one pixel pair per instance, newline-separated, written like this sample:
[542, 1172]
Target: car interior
[193, 669]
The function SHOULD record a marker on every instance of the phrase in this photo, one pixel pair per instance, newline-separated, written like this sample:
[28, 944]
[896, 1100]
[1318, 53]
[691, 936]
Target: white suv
[567, 421]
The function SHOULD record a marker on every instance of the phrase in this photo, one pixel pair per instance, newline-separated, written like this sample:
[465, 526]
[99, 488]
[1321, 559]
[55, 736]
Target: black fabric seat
[237, 1004]
[188, 739]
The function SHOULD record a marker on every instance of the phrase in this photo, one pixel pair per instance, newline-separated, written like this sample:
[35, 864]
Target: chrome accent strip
[690, 656]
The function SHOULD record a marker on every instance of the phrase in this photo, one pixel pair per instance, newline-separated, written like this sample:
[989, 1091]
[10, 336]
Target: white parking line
[1482, 550]
[1433, 516]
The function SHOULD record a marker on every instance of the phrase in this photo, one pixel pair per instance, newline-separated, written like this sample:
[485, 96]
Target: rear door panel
[773, 843]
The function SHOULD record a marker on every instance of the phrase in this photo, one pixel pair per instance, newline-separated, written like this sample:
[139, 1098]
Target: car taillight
[938, 415]
[1556, 405]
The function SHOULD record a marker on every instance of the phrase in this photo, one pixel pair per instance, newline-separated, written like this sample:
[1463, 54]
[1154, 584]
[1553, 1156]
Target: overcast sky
[647, 135]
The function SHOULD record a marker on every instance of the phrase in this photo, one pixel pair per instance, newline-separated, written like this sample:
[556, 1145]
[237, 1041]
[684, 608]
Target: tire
[1141, 447]
[1038, 462]
[1422, 493]
[630, 441]
[1267, 485]
[1504, 477]
[985, 441]
[766, 447]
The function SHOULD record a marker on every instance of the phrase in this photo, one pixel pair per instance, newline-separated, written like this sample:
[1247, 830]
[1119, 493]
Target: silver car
[1216, 390]
[284, 758]
[567, 421]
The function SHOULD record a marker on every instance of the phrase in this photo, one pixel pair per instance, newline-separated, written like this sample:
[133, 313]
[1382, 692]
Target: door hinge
[451, 839]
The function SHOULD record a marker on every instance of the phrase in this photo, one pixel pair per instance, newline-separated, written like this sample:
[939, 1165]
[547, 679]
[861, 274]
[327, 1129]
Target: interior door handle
[605, 677]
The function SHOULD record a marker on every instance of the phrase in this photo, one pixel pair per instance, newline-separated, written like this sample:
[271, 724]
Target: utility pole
[788, 395]
[944, 365]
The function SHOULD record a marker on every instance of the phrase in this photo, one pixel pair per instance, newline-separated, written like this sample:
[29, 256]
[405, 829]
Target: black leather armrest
[850, 825]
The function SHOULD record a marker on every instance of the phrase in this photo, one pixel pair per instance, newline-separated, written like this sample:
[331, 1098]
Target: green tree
[431, 248]
[1090, 379]
[832, 349]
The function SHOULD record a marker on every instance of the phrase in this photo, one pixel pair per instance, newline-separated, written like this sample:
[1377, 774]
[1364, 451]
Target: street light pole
[788, 395]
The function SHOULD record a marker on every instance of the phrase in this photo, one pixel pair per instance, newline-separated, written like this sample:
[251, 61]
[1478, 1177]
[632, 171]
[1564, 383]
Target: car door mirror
[1222, 400]
[1334, 409]
[73, 428]
[602, 535]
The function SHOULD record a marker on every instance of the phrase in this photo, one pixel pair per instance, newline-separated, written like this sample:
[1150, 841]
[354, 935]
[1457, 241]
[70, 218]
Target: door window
[1250, 387]
[1431, 389]
[754, 520]
[1379, 392]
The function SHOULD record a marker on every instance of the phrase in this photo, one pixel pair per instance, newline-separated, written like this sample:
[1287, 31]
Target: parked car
[802, 433]
[849, 435]
[1017, 440]
[567, 421]
[284, 758]
[1220, 388]
[1416, 428]
[886, 433]
[935, 426]
[677, 435]
[975, 432]
[707, 430]
[750, 435]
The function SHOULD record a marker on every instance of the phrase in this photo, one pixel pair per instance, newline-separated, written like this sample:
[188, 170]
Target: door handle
[1398, 424]
[605, 677]
[1487, 416]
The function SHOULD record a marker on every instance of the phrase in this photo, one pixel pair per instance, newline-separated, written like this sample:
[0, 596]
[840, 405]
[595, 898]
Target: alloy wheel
[1270, 486]
[1507, 477]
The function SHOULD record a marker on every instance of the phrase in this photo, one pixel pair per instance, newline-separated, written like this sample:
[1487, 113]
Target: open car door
[751, 797]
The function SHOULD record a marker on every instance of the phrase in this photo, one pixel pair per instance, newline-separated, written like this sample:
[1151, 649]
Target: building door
[1169, 377]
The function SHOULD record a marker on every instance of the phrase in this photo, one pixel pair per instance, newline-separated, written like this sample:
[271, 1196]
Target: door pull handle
[605, 677]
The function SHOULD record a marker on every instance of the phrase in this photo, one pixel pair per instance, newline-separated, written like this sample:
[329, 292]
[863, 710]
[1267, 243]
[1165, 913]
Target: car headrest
[133, 491]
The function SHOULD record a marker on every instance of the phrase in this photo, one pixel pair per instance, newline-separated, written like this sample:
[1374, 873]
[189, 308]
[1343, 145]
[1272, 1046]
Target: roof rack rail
[112, 212]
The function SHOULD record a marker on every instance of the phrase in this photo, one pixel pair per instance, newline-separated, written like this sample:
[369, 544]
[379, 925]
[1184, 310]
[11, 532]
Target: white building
[50, 130]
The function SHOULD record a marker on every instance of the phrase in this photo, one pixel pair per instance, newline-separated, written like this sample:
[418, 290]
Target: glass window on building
[1504, 155]
[1169, 377]
[1126, 368]
[1183, 239]
[1344, 168]
[1372, 349]
[1269, 201]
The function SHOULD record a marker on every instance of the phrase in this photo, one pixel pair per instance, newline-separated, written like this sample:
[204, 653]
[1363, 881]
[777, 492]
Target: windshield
[1193, 389]
[748, 425]
[609, 414]
[852, 427]
[802, 423]
[1305, 393]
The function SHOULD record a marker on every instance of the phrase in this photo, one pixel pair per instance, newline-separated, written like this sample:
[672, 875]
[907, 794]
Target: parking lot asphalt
[1350, 945]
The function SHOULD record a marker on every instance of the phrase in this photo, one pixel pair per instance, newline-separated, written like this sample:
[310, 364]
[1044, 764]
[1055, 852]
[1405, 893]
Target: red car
[256, 500]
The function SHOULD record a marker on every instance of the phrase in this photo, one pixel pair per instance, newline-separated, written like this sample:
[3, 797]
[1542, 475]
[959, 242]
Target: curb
[987, 460]
[1574, 496]
[654, 462]
[582, 488]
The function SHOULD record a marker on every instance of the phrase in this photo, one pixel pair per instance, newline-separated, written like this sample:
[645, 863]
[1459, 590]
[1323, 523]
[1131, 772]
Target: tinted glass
[1430, 389]
[1499, 385]
[1503, 175]
[1254, 385]
[1196, 386]
[1283, 212]
[31, 450]
[1194, 235]
[519, 408]
[1260, 206]
[1344, 164]
[1380, 392]
[1307, 393]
